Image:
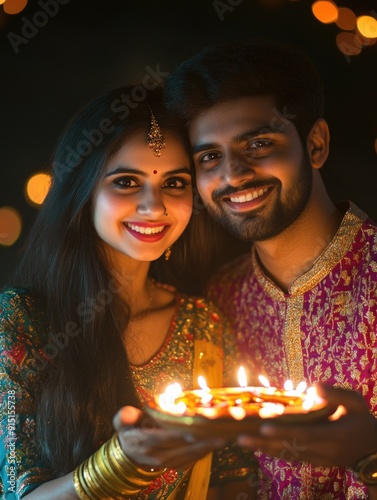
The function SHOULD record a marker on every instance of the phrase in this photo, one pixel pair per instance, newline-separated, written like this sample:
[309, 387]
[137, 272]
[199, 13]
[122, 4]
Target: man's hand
[346, 437]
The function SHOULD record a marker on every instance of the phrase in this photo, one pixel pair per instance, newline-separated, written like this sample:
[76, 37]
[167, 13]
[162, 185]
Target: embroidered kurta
[25, 348]
[323, 329]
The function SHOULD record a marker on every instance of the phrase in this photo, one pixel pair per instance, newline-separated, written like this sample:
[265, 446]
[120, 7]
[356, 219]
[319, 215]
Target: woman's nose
[151, 205]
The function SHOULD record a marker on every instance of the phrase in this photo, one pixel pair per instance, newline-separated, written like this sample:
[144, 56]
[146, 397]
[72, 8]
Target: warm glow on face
[14, 6]
[367, 26]
[37, 188]
[10, 226]
[325, 11]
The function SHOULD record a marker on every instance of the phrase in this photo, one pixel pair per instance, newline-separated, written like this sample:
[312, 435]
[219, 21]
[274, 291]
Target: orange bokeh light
[14, 6]
[348, 44]
[346, 19]
[10, 226]
[325, 11]
[37, 188]
[367, 25]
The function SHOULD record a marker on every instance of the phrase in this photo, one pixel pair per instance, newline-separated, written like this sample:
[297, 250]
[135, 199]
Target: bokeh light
[346, 19]
[325, 11]
[363, 41]
[37, 187]
[14, 6]
[2, 1]
[10, 226]
[367, 26]
[348, 44]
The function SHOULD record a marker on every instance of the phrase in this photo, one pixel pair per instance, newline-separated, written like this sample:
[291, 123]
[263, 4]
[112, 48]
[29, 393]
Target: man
[304, 303]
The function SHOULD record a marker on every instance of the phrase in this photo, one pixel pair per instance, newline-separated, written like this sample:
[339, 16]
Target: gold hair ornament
[154, 137]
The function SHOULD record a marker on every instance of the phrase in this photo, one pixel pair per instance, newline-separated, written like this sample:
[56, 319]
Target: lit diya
[229, 411]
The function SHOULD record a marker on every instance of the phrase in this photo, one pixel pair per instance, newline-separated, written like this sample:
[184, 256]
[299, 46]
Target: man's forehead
[256, 114]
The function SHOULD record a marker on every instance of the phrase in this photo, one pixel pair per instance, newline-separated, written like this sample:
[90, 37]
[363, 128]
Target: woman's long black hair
[64, 266]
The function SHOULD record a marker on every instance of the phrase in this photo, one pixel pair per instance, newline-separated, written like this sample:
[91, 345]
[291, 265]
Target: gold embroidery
[292, 339]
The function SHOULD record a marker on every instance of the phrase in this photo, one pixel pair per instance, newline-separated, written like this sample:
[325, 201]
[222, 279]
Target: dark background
[88, 45]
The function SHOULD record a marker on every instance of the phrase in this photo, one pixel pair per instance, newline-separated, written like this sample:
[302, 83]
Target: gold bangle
[110, 474]
[113, 482]
[77, 484]
[119, 475]
[123, 459]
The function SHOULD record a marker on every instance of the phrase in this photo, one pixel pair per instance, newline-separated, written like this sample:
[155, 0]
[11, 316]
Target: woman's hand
[345, 438]
[151, 446]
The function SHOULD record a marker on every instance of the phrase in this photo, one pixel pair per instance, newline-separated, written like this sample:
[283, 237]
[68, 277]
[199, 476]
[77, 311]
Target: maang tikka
[154, 137]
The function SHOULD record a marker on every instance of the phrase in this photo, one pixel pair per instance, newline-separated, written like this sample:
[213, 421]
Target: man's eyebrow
[249, 134]
[204, 147]
[129, 170]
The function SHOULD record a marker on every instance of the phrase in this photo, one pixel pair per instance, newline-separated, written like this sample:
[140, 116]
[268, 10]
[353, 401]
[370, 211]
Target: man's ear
[318, 143]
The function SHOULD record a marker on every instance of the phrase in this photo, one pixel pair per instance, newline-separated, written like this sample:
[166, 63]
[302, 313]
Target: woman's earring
[167, 253]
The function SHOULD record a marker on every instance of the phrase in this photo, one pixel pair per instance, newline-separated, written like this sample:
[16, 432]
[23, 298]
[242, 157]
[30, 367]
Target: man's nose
[236, 168]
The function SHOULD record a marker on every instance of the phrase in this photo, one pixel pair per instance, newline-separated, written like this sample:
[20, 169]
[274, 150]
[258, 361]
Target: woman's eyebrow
[129, 170]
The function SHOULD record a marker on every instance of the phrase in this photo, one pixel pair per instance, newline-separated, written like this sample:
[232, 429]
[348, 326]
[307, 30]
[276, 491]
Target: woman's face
[144, 202]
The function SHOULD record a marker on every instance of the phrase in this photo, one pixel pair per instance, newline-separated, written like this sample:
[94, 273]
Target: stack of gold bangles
[110, 474]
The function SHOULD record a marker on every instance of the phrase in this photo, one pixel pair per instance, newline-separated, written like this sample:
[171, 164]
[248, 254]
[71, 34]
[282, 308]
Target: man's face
[252, 172]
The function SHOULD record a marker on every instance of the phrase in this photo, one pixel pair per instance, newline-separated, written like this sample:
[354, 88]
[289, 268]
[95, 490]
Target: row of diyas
[240, 402]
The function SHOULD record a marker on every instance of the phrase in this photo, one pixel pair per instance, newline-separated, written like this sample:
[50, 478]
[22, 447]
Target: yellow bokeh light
[325, 11]
[14, 6]
[2, 1]
[364, 41]
[348, 44]
[10, 226]
[37, 188]
[367, 26]
[346, 19]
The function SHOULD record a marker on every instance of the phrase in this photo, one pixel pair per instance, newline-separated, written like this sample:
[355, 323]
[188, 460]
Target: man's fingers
[352, 401]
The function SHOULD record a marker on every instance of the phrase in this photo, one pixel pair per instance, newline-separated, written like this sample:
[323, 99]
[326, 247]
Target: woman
[90, 332]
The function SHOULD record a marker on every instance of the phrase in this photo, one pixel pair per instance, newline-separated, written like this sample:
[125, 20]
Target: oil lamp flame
[271, 410]
[264, 381]
[202, 383]
[166, 400]
[205, 393]
[242, 377]
[288, 385]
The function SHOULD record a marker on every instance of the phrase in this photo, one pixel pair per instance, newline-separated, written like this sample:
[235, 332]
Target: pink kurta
[323, 329]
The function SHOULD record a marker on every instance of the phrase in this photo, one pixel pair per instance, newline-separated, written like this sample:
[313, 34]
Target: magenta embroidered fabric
[324, 329]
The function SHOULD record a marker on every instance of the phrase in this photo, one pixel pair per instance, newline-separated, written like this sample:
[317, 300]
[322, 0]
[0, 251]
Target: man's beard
[253, 226]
